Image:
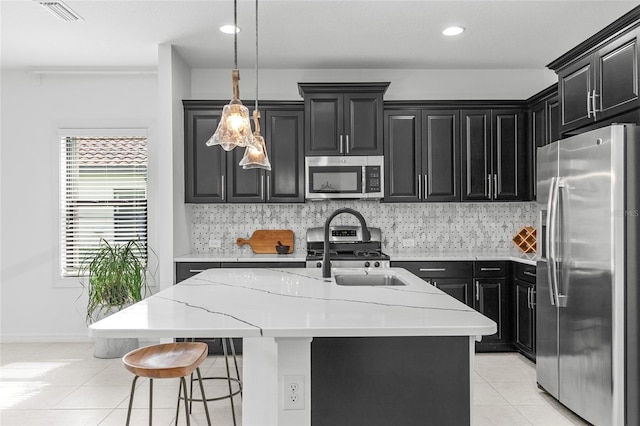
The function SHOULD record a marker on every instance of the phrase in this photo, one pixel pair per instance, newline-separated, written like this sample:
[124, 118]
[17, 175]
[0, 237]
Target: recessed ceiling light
[453, 31]
[229, 29]
[61, 10]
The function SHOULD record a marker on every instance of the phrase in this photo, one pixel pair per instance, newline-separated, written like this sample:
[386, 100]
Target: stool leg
[150, 402]
[204, 398]
[226, 360]
[179, 398]
[190, 393]
[235, 362]
[186, 406]
[133, 389]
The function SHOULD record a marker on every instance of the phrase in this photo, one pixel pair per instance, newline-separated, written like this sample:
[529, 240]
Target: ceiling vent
[61, 10]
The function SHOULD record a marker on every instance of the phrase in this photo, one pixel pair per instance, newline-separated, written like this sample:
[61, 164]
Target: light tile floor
[62, 384]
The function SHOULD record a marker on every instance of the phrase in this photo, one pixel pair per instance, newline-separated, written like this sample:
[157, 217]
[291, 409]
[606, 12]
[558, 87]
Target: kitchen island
[339, 342]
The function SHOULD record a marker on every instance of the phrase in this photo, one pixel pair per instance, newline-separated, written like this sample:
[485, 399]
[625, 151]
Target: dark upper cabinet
[543, 128]
[493, 155]
[213, 175]
[441, 155]
[284, 131]
[422, 154]
[601, 79]
[402, 155]
[204, 166]
[343, 119]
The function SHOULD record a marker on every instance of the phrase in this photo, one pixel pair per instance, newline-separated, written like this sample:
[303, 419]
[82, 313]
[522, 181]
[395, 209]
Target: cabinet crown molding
[379, 87]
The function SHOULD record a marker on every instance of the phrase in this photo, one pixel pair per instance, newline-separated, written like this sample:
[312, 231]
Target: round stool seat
[166, 361]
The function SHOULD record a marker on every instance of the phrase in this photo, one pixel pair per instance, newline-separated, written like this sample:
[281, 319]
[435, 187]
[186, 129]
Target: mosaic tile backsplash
[432, 226]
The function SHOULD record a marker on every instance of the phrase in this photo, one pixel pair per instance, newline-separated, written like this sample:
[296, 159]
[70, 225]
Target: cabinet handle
[268, 187]
[490, 269]
[419, 187]
[593, 103]
[347, 143]
[196, 271]
[435, 284]
[495, 186]
[529, 273]
[262, 187]
[533, 298]
[223, 191]
[588, 104]
[426, 185]
[340, 144]
[529, 297]
[432, 269]
[489, 192]
[477, 291]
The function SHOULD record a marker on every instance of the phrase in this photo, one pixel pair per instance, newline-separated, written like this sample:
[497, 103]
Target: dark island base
[384, 381]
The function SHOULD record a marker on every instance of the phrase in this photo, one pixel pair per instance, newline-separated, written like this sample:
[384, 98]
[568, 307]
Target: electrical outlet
[409, 242]
[293, 392]
[215, 243]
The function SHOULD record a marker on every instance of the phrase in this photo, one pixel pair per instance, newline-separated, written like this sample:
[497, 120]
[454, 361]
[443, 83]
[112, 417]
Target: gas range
[346, 248]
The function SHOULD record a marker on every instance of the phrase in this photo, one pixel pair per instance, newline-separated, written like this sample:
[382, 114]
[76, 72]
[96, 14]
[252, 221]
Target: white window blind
[103, 195]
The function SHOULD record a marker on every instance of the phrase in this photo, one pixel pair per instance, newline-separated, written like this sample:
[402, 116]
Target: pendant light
[255, 156]
[234, 128]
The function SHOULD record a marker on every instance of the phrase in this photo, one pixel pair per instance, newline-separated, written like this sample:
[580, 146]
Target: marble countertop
[254, 302]
[414, 255]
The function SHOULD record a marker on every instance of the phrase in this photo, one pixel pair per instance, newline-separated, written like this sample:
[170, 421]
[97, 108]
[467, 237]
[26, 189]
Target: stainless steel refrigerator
[587, 274]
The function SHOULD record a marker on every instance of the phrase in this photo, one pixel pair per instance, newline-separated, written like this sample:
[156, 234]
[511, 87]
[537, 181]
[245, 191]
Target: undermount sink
[369, 280]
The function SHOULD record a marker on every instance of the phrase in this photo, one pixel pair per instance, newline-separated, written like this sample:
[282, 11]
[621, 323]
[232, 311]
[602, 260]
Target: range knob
[319, 265]
[367, 264]
[376, 264]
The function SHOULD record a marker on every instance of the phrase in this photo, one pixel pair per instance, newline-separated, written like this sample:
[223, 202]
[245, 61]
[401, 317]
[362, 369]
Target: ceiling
[304, 34]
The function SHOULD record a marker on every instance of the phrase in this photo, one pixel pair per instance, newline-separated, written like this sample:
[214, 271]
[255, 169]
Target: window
[103, 195]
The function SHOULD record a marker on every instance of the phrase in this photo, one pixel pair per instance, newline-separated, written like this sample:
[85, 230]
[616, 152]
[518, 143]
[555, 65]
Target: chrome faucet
[366, 236]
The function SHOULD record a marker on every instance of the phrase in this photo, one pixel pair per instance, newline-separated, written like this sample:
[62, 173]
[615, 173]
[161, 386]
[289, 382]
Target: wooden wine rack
[525, 239]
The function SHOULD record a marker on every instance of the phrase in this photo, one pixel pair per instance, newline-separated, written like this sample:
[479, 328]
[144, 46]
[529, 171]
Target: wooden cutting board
[265, 240]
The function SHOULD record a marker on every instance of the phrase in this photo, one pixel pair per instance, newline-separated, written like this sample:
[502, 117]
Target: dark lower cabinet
[491, 301]
[524, 303]
[459, 288]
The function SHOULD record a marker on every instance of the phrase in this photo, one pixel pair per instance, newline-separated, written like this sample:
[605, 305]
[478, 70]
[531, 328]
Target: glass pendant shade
[255, 156]
[234, 129]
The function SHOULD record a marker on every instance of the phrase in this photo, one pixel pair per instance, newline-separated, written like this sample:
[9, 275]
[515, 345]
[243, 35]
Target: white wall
[276, 84]
[34, 106]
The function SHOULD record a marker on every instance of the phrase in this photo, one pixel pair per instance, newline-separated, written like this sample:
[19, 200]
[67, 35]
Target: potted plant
[116, 277]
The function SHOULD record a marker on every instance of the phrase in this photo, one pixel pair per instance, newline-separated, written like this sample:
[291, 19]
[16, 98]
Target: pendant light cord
[235, 33]
[256, 55]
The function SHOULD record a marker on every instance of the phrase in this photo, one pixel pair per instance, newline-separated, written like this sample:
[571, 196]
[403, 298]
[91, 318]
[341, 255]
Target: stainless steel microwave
[354, 177]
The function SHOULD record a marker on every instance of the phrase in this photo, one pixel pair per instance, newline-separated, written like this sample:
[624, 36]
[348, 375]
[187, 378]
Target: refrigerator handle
[561, 299]
[551, 272]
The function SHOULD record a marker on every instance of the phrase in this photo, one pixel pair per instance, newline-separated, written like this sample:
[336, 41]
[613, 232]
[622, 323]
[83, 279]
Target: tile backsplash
[431, 226]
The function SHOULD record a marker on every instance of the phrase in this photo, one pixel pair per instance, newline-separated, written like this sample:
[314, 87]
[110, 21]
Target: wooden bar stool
[167, 361]
[228, 378]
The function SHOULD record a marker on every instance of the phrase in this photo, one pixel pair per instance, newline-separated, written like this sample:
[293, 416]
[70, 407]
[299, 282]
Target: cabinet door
[324, 117]
[575, 83]
[441, 155]
[524, 333]
[508, 154]
[362, 131]
[243, 186]
[283, 135]
[459, 288]
[617, 69]
[553, 120]
[402, 156]
[476, 154]
[490, 300]
[204, 165]
[537, 137]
